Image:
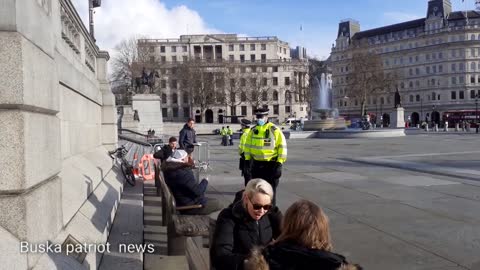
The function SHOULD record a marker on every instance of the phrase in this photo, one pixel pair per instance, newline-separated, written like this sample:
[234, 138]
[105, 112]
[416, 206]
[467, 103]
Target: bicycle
[127, 168]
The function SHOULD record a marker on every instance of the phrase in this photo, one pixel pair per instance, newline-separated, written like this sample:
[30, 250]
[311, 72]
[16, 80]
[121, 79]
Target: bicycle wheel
[128, 174]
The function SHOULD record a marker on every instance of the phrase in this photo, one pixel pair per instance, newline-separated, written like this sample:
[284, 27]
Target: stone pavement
[382, 216]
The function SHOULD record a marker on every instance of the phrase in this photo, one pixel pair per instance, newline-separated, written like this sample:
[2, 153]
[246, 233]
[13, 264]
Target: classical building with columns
[268, 61]
[437, 59]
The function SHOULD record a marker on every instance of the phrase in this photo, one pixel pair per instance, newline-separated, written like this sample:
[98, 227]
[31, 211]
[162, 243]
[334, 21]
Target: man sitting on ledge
[181, 181]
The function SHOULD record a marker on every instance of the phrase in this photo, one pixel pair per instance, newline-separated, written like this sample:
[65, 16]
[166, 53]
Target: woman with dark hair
[303, 244]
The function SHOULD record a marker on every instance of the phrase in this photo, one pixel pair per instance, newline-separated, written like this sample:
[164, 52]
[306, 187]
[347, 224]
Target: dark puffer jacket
[236, 233]
[181, 181]
[187, 138]
[287, 255]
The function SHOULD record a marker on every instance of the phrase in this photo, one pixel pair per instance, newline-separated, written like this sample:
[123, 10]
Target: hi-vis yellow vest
[243, 139]
[261, 145]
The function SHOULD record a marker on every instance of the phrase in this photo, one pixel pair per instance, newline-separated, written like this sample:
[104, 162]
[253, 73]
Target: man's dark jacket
[187, 137]
[163, 153]
[181, 181]
[236, 233]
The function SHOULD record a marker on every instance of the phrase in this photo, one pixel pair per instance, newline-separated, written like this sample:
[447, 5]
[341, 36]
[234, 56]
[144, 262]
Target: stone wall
[57, 121]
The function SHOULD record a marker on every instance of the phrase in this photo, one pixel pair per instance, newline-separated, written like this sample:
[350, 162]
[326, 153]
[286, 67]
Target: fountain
[324, 117]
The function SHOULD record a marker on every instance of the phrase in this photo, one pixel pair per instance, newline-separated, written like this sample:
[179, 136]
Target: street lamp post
[421, 110]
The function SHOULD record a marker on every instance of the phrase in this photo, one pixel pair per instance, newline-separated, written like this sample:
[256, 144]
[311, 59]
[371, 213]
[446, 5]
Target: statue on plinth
[398, 103]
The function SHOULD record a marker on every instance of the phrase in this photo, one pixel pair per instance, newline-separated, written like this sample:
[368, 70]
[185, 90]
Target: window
[174, 71]
[473, 66]
[163, 84]
[454, 80]
[288, 97]
[253, 82]
[264, 96]
[453, 95]
[151, 49]
[243, 82]
[244, 110]
[275, 81]
[461, 66]
[410, 84]
[163, 59]
[417, 71]
[263, 47]
[428, 70]
[162, 49]
[417, 98]
[184, 58]
[275, 69]
[174, 98]
[231, 58]
[164, 112]
[275, 96]
[287, 80]
[264, 69]
[186, 112]
[411, 98]
[174, 84]
[184, 48]
[287, 109]
[243, 97]
[252, 47]
[174, 48]
[410, 72]
[263, 57]
[175, 112]
[252, 57]
[243, 69]
[174, 59]
[233, 110]
[461, 80]
[242, 58]
[434, 96]
[164, 98]
[185, 97]
[231, 47]
[461, 94]
[440, 68]
[472, 94]
[275, 109]
[242, 47]
[264, 81]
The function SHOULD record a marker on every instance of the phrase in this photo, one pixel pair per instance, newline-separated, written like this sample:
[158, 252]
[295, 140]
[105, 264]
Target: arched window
[243, 97]
[185, 97]
[264, 96]
[288, 97]
[174, 98]
[402, 85]
[417, 98]
[411, 98]
[434, 96]
[472, 37]
[275, 95]
[164, 98]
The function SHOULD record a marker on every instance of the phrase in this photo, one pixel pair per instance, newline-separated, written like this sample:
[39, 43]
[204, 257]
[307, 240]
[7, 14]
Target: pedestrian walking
[187, 137]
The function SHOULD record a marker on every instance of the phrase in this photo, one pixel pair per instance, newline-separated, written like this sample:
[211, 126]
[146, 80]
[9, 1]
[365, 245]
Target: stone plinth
[149, 112]
[397, 118]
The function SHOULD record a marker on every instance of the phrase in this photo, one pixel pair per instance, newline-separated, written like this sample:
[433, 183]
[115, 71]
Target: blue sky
[117, 20]
[319, 18]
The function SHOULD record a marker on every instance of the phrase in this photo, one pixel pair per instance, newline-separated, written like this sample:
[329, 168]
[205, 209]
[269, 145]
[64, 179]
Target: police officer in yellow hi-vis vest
[266, 147]
[244, 166]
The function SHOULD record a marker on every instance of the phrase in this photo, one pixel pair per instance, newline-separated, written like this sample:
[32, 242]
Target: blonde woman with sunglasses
[248, 222]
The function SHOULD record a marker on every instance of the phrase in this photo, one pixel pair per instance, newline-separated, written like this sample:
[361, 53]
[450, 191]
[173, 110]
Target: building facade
[437, 59]
[246, 62]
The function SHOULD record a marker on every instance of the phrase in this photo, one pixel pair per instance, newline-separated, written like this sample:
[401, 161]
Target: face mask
[261, 122]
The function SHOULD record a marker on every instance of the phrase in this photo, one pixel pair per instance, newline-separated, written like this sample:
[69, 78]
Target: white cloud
[116, 20]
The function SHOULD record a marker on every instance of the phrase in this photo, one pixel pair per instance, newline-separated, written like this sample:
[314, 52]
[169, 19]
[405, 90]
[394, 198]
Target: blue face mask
[261, 122]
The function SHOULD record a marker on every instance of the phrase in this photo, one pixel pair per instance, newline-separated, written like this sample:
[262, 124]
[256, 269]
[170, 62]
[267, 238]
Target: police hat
[261, 111]
[245, 122]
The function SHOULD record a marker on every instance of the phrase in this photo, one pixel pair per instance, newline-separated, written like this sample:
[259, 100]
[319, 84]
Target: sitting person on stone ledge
[181, 181]
[303, 244]
[167, 150]
[251, 220]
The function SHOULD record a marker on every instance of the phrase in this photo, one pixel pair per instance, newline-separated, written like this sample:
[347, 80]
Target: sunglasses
[265, 207]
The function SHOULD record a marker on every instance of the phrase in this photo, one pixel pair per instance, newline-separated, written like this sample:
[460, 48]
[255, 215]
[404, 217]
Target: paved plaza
[395, 203]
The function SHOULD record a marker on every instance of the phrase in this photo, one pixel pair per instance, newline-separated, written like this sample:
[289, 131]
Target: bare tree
[198, 81]
[234, 91]
[256, 88]
[367, 77]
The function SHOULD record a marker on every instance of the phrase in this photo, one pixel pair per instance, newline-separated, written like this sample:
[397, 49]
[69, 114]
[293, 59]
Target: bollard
[436, 127]
[426, 127]
[457, 127]
[418, 125]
